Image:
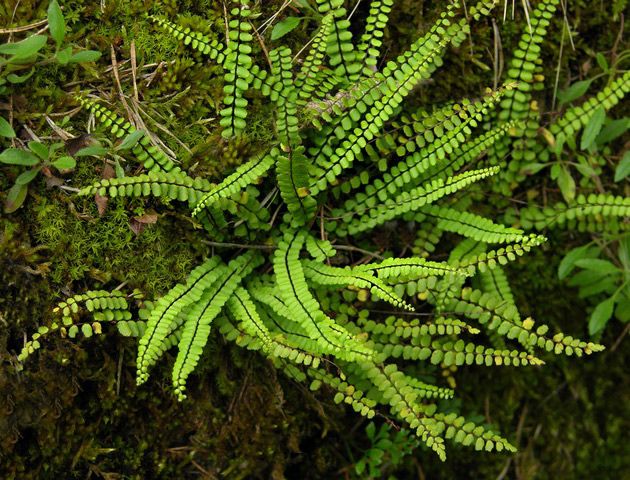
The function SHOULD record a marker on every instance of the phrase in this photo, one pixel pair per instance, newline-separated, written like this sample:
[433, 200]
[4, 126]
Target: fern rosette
[346, 163]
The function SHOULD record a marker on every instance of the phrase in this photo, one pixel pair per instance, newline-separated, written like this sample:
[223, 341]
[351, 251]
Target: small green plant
[39, 158]
[388, 448]
[589, 174]
[18, 62]
[601, 271]
[32, 52]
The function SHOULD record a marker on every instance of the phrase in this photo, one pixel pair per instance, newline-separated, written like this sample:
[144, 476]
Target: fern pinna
[344, 163]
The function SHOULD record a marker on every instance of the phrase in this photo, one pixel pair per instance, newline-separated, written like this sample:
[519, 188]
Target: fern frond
[308, 78]
[332, 276]
[346, 392]
[402, 400]
[238, 76]
[384, 100]
[501, 256]
[198, 41]
[371, 41]
[495, 282]
[101, 305]
[243, 309]
[406, 268]
[305, 309]
[339, 47]
[319, 249]
[411, 201]
[149, 155]
[196, 328]
[586, 213]
[457, 353]
[575, 118]
[518, 104]
[162, 320]
[244, 175]
[501, 316]
[175, 186]
[472, 226]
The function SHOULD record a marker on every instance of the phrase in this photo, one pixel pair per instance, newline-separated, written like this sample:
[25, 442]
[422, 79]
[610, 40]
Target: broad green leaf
[130, 140]
[592, 129]
[600, 316]
[24, 49]
[574, 91]
[601, 61]
[623, 252]
[284, 26]
[94, 150]
[568, 262]
[39, 149]
[56, 22]
[606, 285]
[120, 171]
[613, 129]
[598, 264]
[623, 169]
[622, 312]
[16, 156]
[15, 198]
[586, 278]
[15, 79]
[584, 168]
[6, 130]
[85, 56]
[532, 168]
[64, 163]
[566, 184]
[63, 56]
[53, 147]
[27, 177]
[370, 430]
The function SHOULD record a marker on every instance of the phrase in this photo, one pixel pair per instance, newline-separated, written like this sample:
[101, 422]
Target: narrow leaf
[26, 177]
[130, 140]
[283, 27]
[592, 129]
[16, 156]
[568, 262]
[64, 163]
[15, 198]
[56, 22]
[566, 184]
[24, 49]
[600, 316]
[85, 56]
[623, 169]
[5, 129]
[574, 91]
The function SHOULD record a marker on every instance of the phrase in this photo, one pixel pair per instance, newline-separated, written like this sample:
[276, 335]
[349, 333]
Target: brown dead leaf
[52, 181]
[101, 204]
[137, 224]
[73, 145]
[147, 218]
[108, 172]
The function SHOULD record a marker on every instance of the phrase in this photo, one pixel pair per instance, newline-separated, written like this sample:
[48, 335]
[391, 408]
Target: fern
[574, 119]
[586, 213]
[149, 155]
[309, 303]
